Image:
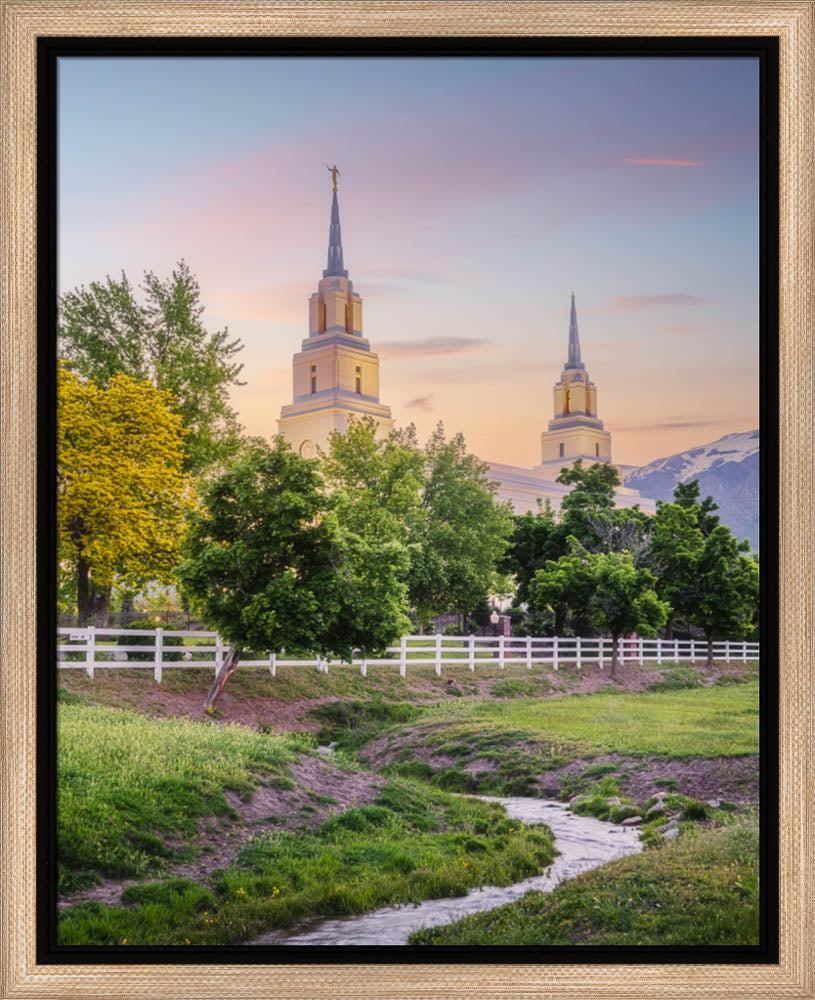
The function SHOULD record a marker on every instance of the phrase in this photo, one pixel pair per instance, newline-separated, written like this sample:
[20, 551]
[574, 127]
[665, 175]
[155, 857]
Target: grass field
[699, 890]
[699, 722]
[127, 785]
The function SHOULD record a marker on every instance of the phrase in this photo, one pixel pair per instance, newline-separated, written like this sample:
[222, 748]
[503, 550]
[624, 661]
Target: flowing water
[583, 842]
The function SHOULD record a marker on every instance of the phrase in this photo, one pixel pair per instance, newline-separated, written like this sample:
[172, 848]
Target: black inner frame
[49, 50]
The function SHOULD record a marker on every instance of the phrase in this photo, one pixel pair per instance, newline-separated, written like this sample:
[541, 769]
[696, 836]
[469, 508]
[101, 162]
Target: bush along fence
[157, 649]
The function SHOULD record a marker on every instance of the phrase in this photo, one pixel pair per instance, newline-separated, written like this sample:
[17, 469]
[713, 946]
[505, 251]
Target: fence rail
[93, 648]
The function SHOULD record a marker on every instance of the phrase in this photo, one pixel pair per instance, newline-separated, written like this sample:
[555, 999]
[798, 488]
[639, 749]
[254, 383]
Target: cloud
[684, 328]
[629, 302]
[648, 161]
[431, 345]
[420, 403]
[670, 424]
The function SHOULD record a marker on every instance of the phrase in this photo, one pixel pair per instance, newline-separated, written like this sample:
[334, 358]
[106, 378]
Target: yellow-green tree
[121, 494]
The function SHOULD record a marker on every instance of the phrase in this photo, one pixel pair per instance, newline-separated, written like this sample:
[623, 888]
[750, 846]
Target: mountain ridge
[727, 470]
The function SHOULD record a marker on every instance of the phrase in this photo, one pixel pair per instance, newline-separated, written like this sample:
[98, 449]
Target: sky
[475, 195]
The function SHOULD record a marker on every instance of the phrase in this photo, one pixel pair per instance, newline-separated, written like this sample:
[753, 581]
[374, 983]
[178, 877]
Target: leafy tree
[104, 331]
[536, 539]
[564, 586]
[686, 495]
[376, 484]
[673, 553]
[121, 492]
[271, 566]
[461, 531]
[592, 497]
[623, 599]
[725, 590]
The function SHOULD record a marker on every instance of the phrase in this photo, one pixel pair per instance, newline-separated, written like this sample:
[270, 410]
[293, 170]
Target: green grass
[413, 843]
[701, 889]
[126, 782]
[702, 722]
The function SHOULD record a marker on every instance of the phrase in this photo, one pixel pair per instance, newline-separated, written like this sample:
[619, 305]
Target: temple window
[314, 378]
[597, 450]
[562, 447]
[359, 379]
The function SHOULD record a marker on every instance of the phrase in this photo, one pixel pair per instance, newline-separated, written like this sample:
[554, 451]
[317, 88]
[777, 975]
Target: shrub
[148, 640]
[695, 810]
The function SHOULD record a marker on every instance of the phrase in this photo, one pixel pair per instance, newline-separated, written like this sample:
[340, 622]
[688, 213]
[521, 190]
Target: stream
[583, 842]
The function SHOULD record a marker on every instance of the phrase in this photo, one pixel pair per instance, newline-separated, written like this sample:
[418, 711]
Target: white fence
[99, 648]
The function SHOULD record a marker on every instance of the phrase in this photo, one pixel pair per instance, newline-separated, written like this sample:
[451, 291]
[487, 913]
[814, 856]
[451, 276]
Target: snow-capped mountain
[727, 470]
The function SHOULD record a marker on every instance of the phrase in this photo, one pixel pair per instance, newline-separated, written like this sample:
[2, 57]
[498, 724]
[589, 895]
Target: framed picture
[577, 239]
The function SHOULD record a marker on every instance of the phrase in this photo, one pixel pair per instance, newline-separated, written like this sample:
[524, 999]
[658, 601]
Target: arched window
[314, 378]
[562, 449]
[597, 450]
[359, 380]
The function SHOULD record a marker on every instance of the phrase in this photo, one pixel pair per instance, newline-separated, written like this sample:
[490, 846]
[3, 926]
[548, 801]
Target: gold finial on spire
[334, 171]
[572, 294]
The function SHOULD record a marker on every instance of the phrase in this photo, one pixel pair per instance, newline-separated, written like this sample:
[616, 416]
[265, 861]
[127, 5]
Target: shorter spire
[574, 340]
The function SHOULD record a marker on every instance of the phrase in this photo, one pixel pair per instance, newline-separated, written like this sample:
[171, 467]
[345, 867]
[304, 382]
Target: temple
[335, 373]
[576, 431]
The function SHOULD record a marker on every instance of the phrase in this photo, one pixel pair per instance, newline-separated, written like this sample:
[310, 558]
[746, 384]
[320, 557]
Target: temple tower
[576, 431]
[335, 373]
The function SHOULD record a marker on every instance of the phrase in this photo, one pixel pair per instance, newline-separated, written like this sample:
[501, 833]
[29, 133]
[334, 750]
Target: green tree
[271, 567]
[104, 330]
[686, 495]
[564, 586]
[674, 549]
[623, 599]
[536, 539]
[724, 598]
[376, 484]
[121, 492]
[461, 532]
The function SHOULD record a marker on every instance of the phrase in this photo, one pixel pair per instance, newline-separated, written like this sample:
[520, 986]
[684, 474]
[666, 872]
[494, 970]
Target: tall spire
[574, 340]
[335, 268]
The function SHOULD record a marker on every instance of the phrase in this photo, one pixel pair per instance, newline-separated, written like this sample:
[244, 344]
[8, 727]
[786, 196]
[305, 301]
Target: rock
[714, 803]
[632, 821]
[670, 825]
[671, 834]
[655, 812]
[578, 798]
[327, 750]
[614, 801]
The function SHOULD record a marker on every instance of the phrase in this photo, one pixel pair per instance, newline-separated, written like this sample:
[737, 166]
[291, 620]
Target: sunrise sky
[475, 195]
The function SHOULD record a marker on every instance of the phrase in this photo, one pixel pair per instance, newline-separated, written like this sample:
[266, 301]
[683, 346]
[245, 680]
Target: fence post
[403, 656]
[472, 652]
[727, 651]
[659, 650]
[554, 652]
[90, 650]
[577, 652]
[676, 650]
[273, 664]
[693, 651]
[219, 653]
[438, 653]
[529, 652]
[743, 650]
[601, 650]
[363, 668]
[642, 651]
[501, 644]
[159, 655]
[620, 650]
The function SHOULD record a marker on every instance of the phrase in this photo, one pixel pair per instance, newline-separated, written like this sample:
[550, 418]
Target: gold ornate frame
[21, 22]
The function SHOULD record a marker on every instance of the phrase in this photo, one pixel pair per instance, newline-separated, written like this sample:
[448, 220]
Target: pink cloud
[655, 162]
[635, 302]
[431, 345]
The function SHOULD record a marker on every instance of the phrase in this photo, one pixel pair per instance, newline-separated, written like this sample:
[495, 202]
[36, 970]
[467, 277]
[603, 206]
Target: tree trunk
[669, 629]
[709, 637]
[101, 607]
[560, 622]
[615, 646]
[227, 669]
[83, 606]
